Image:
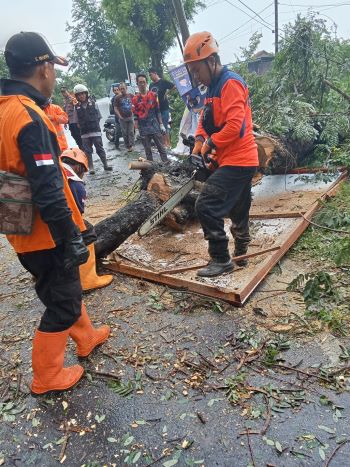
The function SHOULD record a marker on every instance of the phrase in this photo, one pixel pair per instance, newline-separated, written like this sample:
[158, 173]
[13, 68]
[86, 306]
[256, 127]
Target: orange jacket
[233, 138]
[59, 118]
[18, 114]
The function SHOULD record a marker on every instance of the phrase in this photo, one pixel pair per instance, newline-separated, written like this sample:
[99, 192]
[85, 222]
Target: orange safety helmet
[200, 46]
[76, 155]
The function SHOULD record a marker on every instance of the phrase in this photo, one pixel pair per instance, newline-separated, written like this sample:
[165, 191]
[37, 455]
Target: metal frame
[236, 298]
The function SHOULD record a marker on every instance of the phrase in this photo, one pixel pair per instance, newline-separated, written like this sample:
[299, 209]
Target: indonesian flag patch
[43, 159]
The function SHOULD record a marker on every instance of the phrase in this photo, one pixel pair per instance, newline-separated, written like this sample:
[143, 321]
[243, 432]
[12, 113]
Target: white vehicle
[129, 88]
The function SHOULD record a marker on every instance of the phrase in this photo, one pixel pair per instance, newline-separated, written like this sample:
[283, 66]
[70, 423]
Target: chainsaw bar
[166, 208]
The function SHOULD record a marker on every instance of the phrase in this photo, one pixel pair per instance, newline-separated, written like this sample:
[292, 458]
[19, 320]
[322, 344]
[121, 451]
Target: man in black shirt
[160, 86]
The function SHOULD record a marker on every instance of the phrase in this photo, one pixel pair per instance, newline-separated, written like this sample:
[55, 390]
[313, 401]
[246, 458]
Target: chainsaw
[201, 173]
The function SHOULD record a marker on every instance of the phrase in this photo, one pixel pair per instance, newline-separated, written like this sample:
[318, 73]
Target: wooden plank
[236, 298]
[301, 226]
[177, 282]
[307, 170]
[276, 215]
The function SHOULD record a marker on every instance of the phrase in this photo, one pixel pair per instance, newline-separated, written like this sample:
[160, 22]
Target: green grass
[328, 252]
[324, 245]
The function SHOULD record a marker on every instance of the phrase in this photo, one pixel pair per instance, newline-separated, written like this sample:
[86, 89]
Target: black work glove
[75, 252]
[89, 235]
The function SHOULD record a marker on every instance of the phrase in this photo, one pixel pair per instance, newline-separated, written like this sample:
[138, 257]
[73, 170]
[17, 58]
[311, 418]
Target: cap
[28, 49]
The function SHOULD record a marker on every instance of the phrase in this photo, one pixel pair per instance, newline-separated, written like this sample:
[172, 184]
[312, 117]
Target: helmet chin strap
[212, 75]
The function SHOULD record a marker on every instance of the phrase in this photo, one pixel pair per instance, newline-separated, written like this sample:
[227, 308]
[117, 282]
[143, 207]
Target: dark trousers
[147, 144]
[59, 290]
[88, 144]
[127, 127]
[75, 132]
[117, 131]
[226, 193]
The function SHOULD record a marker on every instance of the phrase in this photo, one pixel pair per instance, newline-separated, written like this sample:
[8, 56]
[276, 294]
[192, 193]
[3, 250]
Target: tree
[96, 46]
[147, 27]
[4, 73]
[291, 100]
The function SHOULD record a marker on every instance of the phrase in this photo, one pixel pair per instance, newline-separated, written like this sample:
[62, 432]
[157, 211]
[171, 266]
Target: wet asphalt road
[176, 412]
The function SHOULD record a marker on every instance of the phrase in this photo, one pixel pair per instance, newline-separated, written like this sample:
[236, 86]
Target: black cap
[29, 49]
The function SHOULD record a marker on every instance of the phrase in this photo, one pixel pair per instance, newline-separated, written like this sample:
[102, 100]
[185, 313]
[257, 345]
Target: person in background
[75, 164]
[69, 102]
[160, 86]
[149, 120]
[117, 129]
[225, 135]
[89, 117]
[54, 249]
[59, 118]
[123, 109]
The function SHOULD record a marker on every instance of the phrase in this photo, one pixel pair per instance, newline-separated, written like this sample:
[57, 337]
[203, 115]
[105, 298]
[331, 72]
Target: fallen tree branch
[335, 451]
[324, 227]
[235, 258]
[336, 89]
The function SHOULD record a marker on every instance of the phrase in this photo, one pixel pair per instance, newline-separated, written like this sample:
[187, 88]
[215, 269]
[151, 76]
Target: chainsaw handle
[209, 160]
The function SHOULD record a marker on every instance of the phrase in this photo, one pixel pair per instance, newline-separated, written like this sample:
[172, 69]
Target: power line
[317, 55]
[265, 24]
[242, 34]
[242, 25]
[250, 9]
[317, 5]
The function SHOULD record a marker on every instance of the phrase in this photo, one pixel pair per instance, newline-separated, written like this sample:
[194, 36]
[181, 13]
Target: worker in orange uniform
[75, 164]
[59, 118]
[54, 249]
[225, 140]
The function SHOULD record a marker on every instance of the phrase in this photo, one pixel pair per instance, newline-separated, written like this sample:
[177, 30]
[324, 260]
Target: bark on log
[114, 230]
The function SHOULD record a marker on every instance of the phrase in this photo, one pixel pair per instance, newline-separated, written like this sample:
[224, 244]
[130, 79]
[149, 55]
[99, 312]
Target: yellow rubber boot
[47, 362]
[85, 335]
[88, 277]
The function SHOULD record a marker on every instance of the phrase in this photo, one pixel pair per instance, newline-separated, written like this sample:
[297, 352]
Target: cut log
[114, 230]
[139, 165]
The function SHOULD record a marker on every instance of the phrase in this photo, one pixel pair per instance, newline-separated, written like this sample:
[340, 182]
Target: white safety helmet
[78, 88]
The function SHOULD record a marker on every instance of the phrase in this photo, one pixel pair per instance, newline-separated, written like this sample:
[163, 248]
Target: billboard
[193, 97]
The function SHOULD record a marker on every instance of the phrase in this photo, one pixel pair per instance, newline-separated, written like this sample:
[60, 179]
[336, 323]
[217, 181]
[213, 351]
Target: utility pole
[181, 18]
[276, 27]
[126, 63]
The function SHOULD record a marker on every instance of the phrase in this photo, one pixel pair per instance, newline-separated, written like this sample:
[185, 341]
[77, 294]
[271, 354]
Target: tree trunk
[114, 230]
[156, 60]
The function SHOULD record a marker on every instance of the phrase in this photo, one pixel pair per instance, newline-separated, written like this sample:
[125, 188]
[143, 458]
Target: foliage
[3, 67]
[235, 387]
[315, 287]
[96, 46]
[272, 350]
[121, 389]
[291, 99]
[146, 27]
[177, 107]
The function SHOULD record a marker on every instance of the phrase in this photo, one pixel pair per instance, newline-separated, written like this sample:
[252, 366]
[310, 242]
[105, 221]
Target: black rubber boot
[104, 162]
[215, 268]
[241, 248]
[91, 165]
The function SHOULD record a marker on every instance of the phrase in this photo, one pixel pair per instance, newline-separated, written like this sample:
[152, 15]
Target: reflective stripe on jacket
[37, 159]
[234, 140]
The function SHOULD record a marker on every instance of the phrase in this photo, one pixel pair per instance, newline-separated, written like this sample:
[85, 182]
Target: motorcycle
[110, 128]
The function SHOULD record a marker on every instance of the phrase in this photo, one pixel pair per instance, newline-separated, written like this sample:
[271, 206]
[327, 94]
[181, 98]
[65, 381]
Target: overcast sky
[229, 21]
